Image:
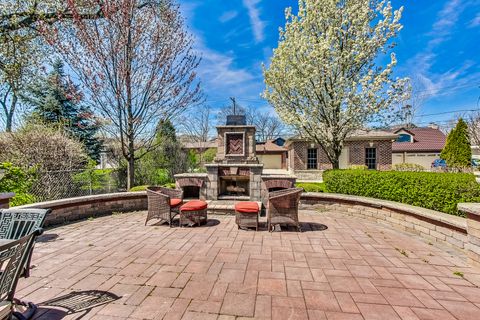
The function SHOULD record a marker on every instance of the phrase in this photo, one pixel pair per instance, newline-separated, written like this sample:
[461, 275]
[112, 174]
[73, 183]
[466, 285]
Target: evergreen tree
[457, 151]
[56, 100]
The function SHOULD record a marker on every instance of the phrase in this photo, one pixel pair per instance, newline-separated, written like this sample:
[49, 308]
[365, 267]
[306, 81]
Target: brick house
[372, 148]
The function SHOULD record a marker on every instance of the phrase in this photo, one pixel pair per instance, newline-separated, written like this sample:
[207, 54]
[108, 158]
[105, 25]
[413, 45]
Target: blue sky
[439, 48]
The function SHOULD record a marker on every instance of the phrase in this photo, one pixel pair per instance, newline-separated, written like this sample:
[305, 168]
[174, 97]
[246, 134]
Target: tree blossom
[326, 77]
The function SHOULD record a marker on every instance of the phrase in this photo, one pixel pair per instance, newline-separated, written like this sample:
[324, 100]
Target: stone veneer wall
[67, 210]
[298, 154]
[249, 153]
[193, 180]
[432, 225]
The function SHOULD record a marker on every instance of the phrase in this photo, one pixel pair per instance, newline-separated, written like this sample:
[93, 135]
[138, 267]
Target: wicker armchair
[163, 203]
[13, 256]
[282, 207]
[17, 223]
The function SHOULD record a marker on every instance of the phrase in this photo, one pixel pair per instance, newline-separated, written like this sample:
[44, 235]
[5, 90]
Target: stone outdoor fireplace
[235, 173]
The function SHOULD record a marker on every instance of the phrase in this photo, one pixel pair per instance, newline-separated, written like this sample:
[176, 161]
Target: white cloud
[218, 72]
[257, 24]
[221, 78]
[433, 82]
[446, 20]
[227, 16]
[475, 22]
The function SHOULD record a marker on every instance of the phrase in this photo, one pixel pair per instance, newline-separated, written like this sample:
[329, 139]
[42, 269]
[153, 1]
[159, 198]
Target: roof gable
[425, 139]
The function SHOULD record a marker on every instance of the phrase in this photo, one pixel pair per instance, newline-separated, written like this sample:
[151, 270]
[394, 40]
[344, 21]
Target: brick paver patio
[353, 269]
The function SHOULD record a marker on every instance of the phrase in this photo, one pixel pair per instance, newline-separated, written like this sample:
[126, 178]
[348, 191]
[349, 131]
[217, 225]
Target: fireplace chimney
[236, 120]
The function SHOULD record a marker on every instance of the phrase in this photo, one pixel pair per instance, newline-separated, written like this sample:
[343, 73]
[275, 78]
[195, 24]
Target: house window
[404, 137]
[371, 158]
[312, 159]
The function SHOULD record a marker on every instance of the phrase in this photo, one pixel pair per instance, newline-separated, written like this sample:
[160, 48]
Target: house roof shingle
[269, 146]
[425, 139]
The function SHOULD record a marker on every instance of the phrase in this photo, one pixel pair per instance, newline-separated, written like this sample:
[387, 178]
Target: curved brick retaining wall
[458, 232]
[461, 233]
[71, 209]
[432, 225]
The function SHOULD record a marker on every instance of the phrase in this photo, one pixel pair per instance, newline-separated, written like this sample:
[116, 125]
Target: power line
[446, 112]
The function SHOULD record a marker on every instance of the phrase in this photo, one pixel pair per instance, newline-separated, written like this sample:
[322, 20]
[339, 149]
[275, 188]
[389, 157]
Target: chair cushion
[246, 207]
[175, 202]
[194, 205]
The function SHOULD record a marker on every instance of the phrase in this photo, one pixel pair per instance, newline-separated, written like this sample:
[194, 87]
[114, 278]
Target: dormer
[404, 135]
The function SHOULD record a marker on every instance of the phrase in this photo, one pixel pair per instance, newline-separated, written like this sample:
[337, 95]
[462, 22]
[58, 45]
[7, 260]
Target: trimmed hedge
[311, 186]
[436, 191]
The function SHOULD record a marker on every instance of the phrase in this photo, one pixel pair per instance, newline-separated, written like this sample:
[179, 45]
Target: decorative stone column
[212, 181]
[256, 182]
[5, 199]
[472, 246]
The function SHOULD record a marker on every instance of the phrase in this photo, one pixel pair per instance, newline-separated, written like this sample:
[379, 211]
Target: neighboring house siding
[356, 154]
[384, 153]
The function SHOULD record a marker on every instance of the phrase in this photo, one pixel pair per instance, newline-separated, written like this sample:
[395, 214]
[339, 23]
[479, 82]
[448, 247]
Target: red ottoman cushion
[194, 205]
[175, 202]
[246, 207]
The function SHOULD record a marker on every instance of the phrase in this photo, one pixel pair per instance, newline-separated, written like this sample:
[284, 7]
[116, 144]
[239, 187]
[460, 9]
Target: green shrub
[436, 191]
[93, 179]
[312, 186]
[357, 167]
[19, 181]
[170, 185]
[138, 188]
[408, 167]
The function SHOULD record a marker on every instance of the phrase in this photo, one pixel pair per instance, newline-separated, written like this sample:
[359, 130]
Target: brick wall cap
[448, 219]
[278, 176]
[7, 195]
[85, 199]
[191, 175]
[471, 208]
[240, 165]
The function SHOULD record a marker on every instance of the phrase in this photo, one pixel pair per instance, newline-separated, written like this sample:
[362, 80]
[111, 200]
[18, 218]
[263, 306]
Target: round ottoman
[193, 212]
[246, 214]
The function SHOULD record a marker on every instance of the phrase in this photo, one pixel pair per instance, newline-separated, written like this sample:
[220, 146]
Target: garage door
[270, 161]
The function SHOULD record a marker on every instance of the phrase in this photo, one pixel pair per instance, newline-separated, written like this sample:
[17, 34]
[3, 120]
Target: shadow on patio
[74, 302]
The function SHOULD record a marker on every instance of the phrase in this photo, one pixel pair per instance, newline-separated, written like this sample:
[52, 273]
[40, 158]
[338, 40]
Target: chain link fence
[53, 185]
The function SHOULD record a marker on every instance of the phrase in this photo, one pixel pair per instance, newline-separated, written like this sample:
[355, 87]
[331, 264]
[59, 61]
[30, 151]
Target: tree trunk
[8, 122]
[9, 114]
[336, 163]
[130, 173]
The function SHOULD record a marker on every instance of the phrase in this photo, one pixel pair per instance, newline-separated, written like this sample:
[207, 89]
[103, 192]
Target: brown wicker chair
[163, 204]
[282, 207]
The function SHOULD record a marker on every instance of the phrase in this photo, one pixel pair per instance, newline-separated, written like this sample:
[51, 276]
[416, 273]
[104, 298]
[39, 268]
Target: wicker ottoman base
[246, 220]
[246, 215]
[192, 218]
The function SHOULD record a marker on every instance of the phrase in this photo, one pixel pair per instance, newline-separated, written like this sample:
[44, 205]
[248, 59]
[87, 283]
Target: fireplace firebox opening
[191, 192]
[236, 186]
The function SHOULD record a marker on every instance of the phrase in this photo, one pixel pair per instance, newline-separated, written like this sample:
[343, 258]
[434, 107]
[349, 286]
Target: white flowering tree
[329, 75]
